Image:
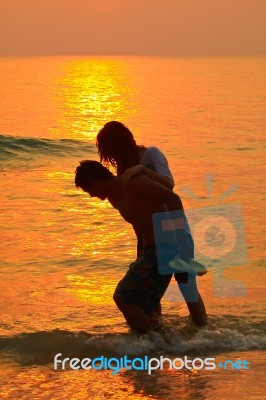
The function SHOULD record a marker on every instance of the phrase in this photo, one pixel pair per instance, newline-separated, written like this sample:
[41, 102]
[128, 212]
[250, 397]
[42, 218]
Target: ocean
[62, 253]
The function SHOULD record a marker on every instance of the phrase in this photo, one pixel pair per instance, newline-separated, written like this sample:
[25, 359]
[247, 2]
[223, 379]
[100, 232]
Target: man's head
[91, 177]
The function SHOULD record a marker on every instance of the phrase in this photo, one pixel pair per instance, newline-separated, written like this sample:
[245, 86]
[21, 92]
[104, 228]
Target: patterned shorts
[142, 284]
[180, 277]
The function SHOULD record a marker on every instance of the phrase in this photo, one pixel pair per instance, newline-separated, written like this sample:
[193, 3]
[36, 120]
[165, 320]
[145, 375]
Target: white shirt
[154, 159]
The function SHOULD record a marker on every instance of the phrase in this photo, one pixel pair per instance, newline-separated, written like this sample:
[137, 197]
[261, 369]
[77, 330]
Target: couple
[141, 188]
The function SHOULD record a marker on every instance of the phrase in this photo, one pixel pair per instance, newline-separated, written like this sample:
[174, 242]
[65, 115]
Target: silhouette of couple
[143, 186]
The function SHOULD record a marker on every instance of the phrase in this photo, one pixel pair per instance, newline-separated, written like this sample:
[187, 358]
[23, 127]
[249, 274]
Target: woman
[117, 147]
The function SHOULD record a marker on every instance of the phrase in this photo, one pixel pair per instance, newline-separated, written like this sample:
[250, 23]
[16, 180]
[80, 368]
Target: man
[139, 293]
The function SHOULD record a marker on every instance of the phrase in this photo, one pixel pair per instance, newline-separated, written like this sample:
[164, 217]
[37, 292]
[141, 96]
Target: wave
[223, 334]
[27, 148]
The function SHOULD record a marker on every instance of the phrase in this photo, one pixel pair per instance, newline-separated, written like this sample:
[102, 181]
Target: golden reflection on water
[91, 92]
[55, 239]
[97, 289]
[101, 229]
[97, 228]
[36, 381]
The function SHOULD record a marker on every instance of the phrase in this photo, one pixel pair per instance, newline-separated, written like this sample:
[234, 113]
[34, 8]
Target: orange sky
[145, 27]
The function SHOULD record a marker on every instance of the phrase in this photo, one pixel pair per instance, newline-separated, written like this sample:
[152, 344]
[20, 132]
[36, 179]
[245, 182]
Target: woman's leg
[188, 287]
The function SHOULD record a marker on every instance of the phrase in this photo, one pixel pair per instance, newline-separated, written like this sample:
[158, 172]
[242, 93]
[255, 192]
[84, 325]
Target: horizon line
[133, 55]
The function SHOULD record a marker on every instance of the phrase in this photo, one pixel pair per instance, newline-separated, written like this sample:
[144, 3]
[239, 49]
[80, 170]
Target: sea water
[62, 253]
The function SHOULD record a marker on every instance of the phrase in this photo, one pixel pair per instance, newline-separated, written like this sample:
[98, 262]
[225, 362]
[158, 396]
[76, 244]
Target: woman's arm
[140, 169]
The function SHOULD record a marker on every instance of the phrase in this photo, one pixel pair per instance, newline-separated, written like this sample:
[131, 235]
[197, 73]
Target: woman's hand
[127, 175]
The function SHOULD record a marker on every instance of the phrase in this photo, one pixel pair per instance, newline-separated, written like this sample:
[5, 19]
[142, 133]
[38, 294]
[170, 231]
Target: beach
[62, 253]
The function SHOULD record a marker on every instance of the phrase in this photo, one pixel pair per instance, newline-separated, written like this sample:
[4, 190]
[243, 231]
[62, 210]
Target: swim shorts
[142, 284]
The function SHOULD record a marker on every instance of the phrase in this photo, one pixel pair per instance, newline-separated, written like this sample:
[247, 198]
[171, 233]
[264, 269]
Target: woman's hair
[89, 171]
[117, 147]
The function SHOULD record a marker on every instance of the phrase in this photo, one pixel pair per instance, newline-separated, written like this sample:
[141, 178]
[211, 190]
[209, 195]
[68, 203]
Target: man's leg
[188, 287]
[158, 309]
[138, 294]
[135, 316]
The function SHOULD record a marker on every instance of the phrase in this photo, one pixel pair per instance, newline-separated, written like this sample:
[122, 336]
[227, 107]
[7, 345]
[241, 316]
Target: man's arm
[137, 169]
[150, 190]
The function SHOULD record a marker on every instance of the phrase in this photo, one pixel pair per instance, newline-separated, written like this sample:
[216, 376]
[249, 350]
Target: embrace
[139, 190]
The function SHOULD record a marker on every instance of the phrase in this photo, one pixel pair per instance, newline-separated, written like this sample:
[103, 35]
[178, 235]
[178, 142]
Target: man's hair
[117, 146]
[88, 171]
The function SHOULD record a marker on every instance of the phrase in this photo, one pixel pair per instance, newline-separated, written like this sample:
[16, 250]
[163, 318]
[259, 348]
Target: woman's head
[117, 146]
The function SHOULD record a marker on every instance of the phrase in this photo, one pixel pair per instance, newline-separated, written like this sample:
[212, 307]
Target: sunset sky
[137, 27]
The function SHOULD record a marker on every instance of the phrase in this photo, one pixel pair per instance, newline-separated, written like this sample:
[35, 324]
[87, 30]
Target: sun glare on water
[91, 93]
